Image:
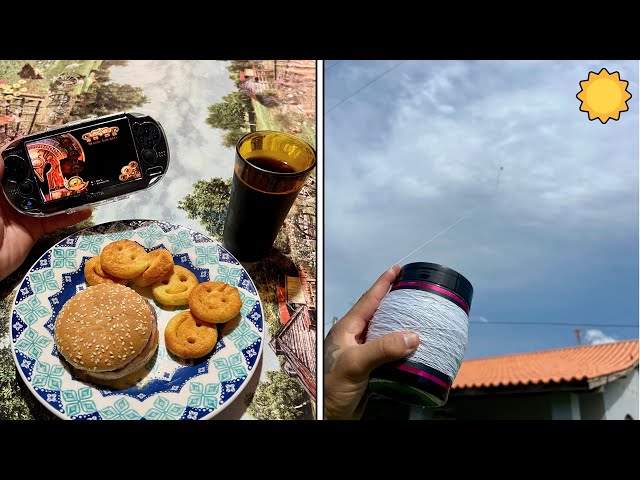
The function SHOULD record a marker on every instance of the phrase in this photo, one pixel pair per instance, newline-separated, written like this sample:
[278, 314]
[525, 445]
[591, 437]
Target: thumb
[388, 348]
[64, 220]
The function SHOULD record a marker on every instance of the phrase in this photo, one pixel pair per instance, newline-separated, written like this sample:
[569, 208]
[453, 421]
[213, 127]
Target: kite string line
[454, 223]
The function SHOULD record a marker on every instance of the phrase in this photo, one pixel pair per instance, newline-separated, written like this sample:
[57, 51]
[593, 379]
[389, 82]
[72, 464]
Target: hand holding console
[84, 163]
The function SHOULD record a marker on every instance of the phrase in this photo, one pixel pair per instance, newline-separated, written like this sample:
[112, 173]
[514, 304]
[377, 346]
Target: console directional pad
[146, 134]
[15, 168]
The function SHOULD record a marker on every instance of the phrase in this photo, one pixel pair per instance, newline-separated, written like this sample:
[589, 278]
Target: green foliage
[280, 397]
[105, 98]
[231, 137]
[281, 360]
[237, 65]
[9, 70]
[5, 313]
[208, 204]
[229, 114]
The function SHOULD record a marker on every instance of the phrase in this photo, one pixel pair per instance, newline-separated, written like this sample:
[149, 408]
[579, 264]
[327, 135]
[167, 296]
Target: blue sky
[411, 153]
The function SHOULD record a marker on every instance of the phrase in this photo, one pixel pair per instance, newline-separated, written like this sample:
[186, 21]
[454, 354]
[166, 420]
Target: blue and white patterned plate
[173, 388]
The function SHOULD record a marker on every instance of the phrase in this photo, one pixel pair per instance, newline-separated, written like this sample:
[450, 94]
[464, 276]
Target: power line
[557, 324]
[365, 86]
[332, 65]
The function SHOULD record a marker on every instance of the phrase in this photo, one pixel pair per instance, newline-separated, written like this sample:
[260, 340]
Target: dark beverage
[271, 165]
[253, 220]
[270, 170]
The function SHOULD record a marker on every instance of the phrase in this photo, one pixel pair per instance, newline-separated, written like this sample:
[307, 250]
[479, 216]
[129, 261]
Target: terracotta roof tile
[560, 365]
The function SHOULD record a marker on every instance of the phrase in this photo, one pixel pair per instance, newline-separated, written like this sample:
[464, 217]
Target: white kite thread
[495, 191]
[441, 324]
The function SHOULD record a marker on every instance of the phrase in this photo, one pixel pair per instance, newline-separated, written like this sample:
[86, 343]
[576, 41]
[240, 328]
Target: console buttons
[146, 134]
[25, 187]
[15, 168]
[29, 203]
[154, 171]
[149, 157]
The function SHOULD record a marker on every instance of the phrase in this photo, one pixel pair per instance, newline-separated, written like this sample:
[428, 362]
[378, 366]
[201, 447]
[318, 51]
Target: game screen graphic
[85, 160]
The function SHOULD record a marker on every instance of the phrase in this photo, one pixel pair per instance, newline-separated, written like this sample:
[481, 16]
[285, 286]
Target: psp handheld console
[84, 163]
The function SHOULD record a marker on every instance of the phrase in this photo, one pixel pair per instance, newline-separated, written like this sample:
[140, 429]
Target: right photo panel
[480, 240]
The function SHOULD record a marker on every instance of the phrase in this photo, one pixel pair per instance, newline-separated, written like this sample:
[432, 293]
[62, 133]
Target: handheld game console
[84, 163]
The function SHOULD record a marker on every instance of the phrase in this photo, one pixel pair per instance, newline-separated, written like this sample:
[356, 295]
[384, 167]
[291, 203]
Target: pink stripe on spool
[426, 375]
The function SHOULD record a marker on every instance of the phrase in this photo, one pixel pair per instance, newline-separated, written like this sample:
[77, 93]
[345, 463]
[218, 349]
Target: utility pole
[578, 339]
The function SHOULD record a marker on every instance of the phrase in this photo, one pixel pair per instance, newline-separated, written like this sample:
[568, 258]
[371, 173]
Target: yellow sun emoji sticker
[603, 96]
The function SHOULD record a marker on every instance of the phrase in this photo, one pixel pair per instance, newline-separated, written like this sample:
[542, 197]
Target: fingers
[387, 348]
[357, 319]
[11, 144]
[65, 220]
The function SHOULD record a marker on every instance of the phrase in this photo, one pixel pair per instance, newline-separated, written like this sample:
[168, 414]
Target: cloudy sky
[180, 93]
[417, 149]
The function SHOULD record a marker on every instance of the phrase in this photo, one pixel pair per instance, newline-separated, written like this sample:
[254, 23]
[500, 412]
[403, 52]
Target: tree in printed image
[208, 204]
[105, 98]
[280, 397]
[230, 113]
[231, 137]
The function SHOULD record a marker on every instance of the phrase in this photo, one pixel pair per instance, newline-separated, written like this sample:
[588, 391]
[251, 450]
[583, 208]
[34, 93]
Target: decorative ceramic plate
[172, 388]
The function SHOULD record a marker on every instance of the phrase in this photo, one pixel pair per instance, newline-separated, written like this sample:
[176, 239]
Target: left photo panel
[158, 239]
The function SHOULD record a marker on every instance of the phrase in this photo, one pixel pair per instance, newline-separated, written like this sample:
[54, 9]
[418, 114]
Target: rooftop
[579, 363]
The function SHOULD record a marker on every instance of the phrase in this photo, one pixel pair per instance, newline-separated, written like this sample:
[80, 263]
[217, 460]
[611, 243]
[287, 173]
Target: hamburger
[106, 332]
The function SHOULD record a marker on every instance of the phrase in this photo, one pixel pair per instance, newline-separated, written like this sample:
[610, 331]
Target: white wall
[621, 397]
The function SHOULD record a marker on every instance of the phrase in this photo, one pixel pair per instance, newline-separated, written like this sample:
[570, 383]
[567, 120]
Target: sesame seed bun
[108, 330]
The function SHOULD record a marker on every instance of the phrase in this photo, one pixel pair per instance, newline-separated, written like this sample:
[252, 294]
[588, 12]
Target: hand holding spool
[348, 361]
[435, 301]
[425, 297]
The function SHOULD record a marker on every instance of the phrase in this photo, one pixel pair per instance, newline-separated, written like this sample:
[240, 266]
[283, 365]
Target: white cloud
[596, 337]
[400, 166]
[179, 94]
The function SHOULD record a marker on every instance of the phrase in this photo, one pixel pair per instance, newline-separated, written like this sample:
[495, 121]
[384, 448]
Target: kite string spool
[441, 324]
[434, 301]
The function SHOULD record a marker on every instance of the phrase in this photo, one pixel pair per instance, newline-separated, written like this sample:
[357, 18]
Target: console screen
[87, 159]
